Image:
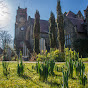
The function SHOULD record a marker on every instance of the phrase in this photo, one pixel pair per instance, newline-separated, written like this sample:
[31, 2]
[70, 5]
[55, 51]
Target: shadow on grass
[57, 75]
[74, 78]
[29, 70]
[47, 82]
[25, 77]
[53, 83]
[30, 78]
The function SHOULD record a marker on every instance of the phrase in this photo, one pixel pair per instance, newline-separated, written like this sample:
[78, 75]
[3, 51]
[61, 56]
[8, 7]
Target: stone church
[24, 40]
[75, 26]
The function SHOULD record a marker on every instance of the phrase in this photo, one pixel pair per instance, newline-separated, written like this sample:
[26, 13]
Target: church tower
[20, 28]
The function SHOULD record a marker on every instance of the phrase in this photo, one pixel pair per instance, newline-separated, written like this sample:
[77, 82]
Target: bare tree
[4, 35]
[5, 38]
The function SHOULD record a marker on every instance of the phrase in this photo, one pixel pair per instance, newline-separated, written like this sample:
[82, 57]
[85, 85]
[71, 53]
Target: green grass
[84, 59]
[30, 79]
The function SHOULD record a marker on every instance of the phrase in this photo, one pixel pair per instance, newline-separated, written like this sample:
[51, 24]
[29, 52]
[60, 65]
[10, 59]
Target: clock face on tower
[22, 28]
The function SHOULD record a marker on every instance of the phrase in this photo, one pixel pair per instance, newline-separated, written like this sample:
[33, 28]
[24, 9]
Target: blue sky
[44, 7]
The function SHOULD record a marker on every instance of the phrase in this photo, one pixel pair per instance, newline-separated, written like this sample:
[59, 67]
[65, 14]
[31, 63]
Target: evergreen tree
[52, 31]
[36, 32]
[60, 27]
[86, 15]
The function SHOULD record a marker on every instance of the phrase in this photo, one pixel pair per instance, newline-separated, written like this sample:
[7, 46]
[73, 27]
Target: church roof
[44, 25]
[75, 21]
[70, 14]
[79, 15]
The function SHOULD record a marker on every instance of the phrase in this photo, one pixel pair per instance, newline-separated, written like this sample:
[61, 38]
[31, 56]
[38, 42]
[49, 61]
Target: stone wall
[69, 31]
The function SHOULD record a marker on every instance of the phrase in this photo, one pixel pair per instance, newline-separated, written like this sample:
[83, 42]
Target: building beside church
[75, 26]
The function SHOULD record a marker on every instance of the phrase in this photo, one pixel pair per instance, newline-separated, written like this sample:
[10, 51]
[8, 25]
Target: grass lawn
[30, 79]
[84, 59]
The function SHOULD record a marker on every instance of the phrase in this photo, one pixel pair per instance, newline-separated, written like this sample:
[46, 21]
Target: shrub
[34, 56]
[79, 67]
[44, 69]
[83, 79]
[5, 54]
[56, 55]
[15, 58]
[58, 69]
[6, 70]
[37, 67]
[65, 79]
[69, 65]
[80, 71]
[70, 54]
[81, 47]
[43, 56]
[51, 66]
[20, 66]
